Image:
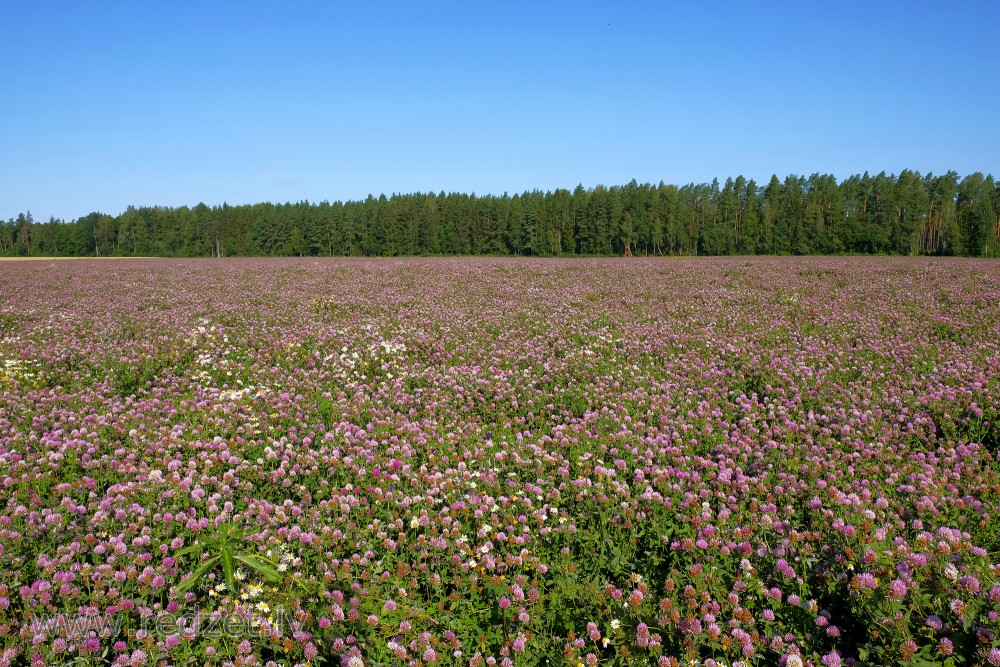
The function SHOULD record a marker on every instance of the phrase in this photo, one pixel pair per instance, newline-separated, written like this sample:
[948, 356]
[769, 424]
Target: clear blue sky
[106, 104]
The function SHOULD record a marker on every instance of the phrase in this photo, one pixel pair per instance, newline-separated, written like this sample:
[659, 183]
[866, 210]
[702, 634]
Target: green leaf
[186, 550]
[228, 570]
[263, 568]
[193, 579]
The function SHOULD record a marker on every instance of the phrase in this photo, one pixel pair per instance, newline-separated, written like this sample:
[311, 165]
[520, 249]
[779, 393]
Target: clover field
[765, 461]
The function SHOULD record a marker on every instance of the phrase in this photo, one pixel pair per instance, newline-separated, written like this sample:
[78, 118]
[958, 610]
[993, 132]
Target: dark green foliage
[129, 378]
[881, 214]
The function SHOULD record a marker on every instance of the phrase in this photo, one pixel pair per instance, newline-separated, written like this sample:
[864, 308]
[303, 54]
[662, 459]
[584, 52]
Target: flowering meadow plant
[505, 462]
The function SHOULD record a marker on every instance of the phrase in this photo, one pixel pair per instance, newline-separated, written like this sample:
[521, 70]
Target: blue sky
[106, 104]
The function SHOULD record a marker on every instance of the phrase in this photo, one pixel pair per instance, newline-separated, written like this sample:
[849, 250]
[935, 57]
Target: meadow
[768, 461]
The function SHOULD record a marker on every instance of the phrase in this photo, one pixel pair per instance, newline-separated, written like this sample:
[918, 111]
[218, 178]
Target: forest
[904, 214]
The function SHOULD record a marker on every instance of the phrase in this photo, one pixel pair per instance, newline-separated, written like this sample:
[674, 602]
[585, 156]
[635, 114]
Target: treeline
[884, 214]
